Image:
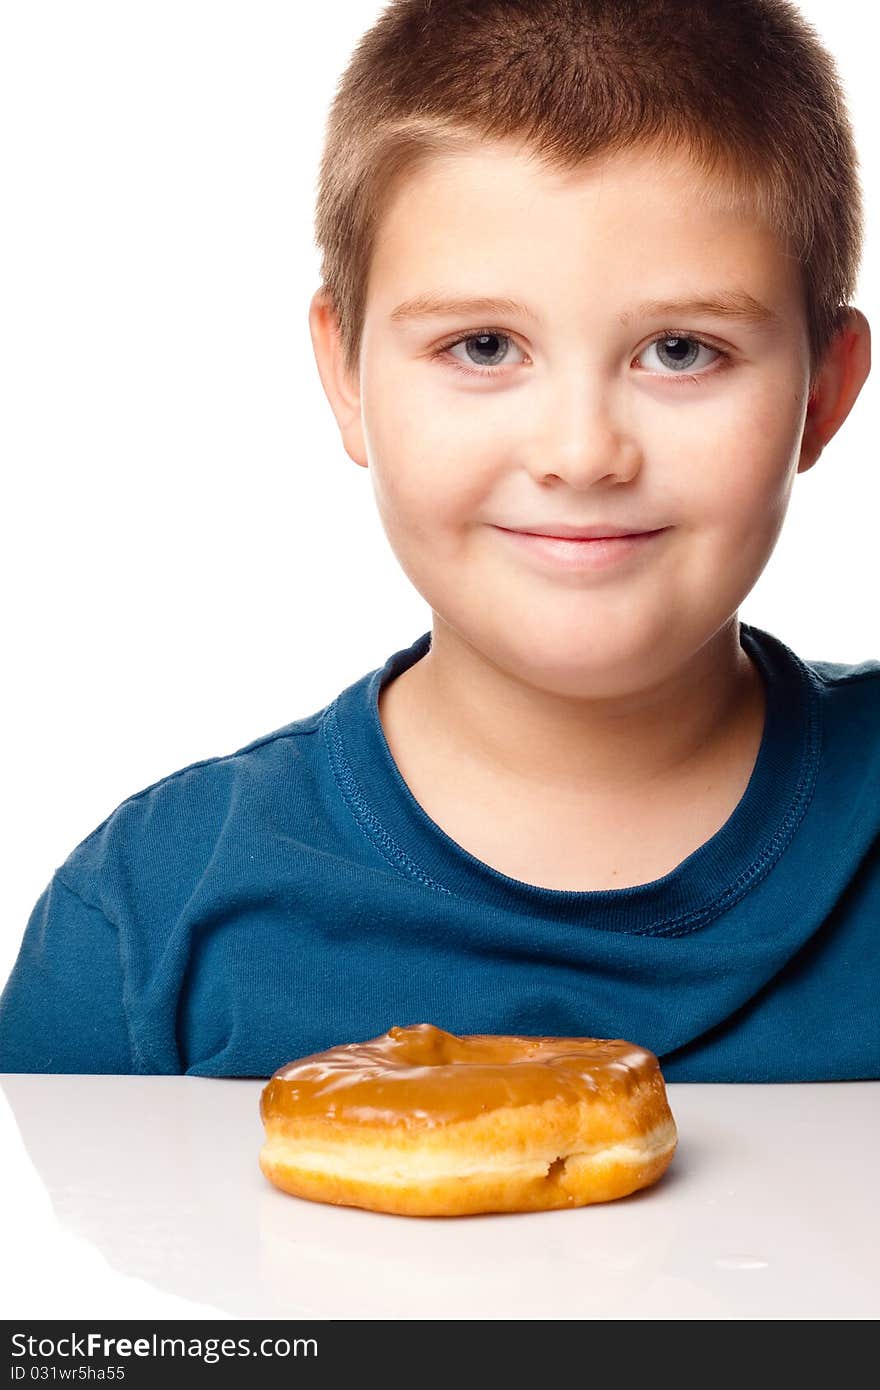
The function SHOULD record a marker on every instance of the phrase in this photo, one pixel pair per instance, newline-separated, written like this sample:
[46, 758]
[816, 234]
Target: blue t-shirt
[257, 907]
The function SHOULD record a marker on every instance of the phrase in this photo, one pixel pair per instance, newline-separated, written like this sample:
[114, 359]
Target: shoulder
[838, 675]
[846, 682]
[162, 837]
[839, 703]
[849, 691]
[838, 684]
[847, 696]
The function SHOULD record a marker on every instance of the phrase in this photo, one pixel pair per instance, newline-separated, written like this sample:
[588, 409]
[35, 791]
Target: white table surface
[142, 1197]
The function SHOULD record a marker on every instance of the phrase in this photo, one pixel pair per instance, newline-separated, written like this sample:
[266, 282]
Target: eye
[488, 350]
[680, 352]
[485, 351]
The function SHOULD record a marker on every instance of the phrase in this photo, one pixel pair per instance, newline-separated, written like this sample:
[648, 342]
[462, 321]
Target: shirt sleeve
[62, 1009]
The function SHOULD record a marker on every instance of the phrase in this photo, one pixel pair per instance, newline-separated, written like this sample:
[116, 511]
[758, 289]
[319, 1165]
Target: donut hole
[556, 1170]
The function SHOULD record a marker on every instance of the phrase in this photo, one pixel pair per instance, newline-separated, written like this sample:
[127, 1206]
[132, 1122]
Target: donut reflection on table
[421, 1122]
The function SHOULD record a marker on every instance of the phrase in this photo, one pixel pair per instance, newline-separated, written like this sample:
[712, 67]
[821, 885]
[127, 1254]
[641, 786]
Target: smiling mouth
[582, 554]
[582, 539]
[585, 540]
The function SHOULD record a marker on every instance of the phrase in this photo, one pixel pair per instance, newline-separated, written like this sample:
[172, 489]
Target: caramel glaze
[423, 1076]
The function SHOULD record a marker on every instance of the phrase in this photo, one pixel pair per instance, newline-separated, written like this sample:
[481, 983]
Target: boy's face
[596, 410]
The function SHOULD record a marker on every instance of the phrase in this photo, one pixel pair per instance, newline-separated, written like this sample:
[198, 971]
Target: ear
[341, 390]
[841, 377]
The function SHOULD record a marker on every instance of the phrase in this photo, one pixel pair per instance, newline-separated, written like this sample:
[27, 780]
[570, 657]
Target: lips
[581, 554]
[597, 531]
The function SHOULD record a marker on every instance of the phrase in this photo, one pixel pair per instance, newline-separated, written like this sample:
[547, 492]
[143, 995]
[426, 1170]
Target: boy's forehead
[515, 170]
[500, 212]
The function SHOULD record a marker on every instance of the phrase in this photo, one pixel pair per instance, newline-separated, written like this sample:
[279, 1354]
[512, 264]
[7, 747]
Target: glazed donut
[420, 1122]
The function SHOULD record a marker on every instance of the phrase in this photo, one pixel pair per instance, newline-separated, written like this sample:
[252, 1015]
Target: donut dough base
[524, 1158]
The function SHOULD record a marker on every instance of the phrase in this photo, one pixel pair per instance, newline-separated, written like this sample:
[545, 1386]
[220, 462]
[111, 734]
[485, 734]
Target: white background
[190, 559]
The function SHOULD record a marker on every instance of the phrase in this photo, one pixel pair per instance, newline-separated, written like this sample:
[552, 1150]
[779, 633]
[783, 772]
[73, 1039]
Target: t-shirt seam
[191, 767]
[138, 1061]
[846, 678]
[365, 818]
[96, 907]
[770, 855]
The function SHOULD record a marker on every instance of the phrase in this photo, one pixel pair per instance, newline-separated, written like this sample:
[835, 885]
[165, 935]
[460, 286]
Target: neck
[482, 718]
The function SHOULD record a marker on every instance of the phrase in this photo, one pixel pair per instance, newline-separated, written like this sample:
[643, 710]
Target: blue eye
[679, 352]
[485, 349]
[488, 353]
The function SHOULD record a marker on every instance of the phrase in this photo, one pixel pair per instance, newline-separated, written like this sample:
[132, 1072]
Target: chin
[593, 673]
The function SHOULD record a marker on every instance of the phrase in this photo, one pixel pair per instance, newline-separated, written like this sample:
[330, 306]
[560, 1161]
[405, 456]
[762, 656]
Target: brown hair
[744, 86]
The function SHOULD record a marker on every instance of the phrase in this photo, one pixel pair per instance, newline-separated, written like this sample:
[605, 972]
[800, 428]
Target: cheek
[431, 469]
[416, 495]
[737, 489]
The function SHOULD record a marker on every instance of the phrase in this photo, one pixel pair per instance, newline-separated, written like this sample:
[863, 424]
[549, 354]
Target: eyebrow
[723, 304]
[737, 305]
[425, 306]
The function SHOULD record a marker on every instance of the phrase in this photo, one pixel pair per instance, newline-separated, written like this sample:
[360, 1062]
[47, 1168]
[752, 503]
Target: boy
[586, 272]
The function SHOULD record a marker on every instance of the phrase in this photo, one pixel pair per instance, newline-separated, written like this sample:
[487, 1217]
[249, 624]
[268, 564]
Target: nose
[583, 436]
